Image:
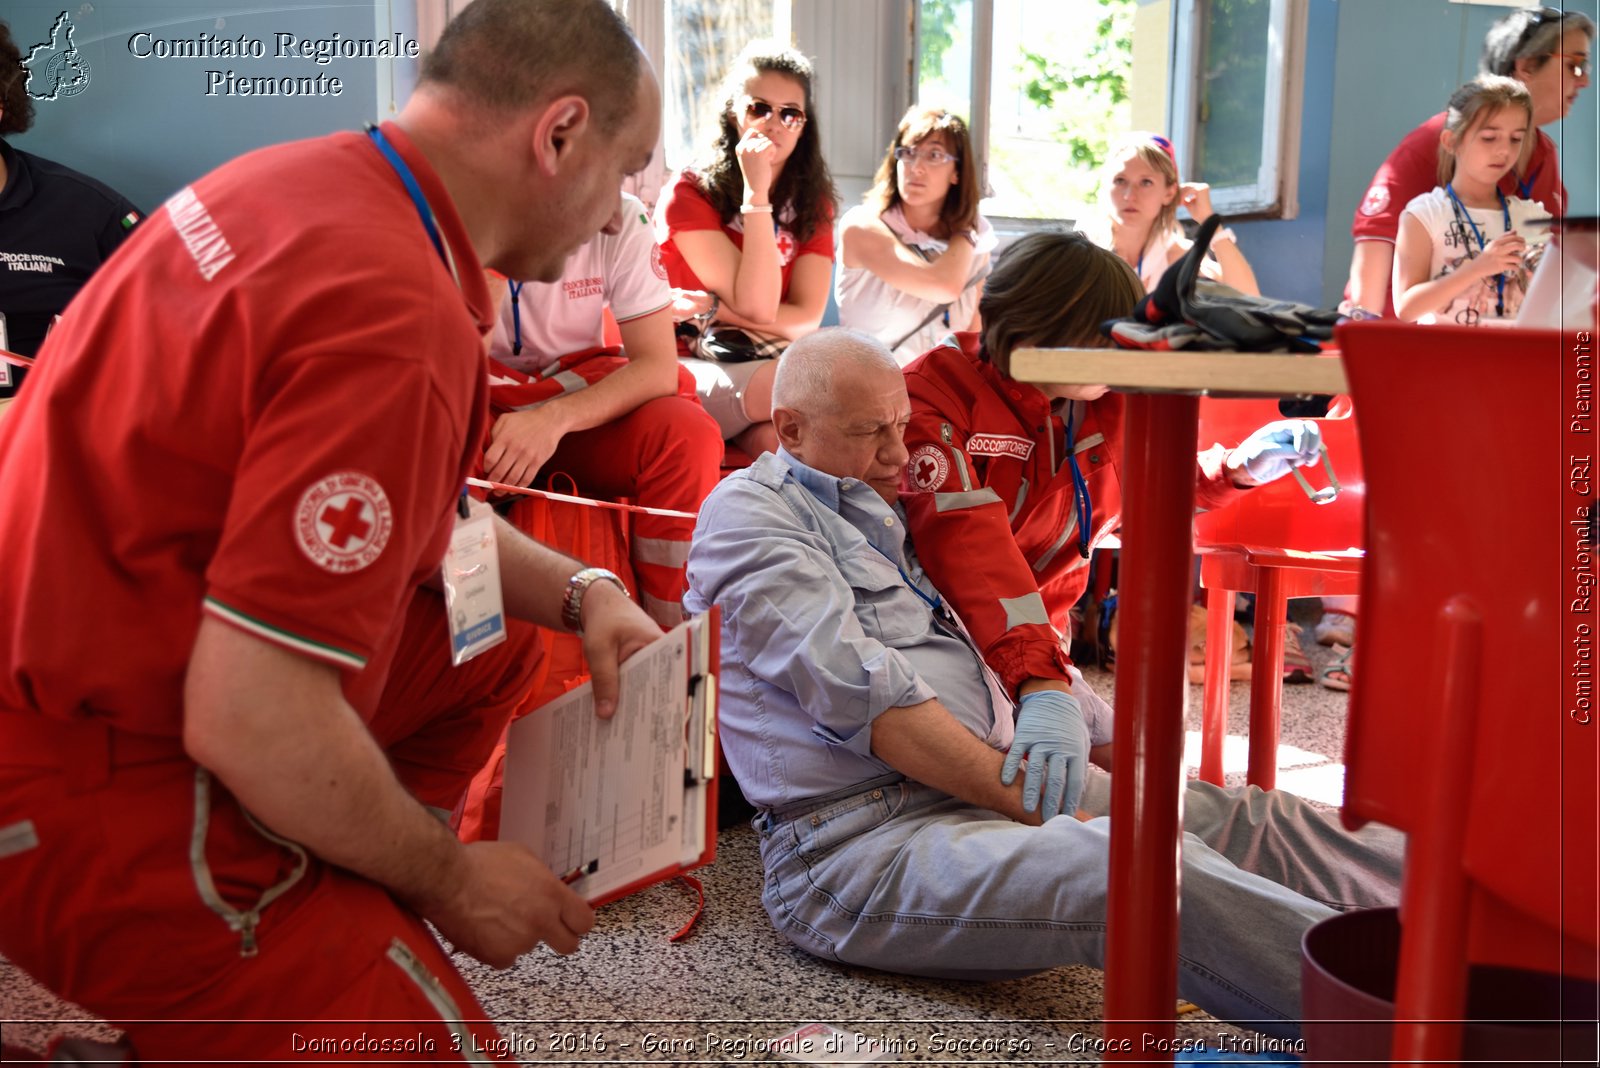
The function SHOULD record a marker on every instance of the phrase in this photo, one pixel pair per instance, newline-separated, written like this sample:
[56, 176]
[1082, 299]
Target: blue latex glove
[1051, 734]
[1278, 448]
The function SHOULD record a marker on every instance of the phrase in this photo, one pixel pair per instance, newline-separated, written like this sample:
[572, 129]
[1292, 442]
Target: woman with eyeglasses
[1140, 195]
[1548, 51]
[753, 226]
[913, 254]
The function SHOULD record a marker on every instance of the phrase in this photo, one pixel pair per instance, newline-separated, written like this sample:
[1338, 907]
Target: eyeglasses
[791, 117]
[933, 157]
[1575, 62]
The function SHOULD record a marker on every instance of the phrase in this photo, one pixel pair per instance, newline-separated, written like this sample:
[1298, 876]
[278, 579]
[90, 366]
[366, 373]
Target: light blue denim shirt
[822, 630]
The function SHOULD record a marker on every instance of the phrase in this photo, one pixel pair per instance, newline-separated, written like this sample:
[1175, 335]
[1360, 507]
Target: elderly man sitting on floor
[858, 718]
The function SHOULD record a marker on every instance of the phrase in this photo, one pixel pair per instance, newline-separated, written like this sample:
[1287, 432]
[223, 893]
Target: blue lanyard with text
[516, 317]
[1080, 488]
[418, 200]
[1462, 213]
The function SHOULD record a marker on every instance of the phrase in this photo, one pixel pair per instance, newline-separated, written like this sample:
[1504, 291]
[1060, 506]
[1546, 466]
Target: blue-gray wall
[146, 126]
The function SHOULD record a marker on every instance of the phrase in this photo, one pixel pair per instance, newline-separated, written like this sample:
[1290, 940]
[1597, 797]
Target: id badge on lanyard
[5, 343]
[472, 597]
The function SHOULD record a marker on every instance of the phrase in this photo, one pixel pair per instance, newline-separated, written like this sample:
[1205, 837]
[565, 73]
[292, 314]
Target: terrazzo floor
[728, 992]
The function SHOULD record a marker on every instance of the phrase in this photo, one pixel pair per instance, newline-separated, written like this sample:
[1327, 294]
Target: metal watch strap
[577, 586]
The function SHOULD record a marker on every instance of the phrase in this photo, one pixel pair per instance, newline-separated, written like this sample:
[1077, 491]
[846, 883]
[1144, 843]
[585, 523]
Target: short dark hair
[1531, 33]
[14, 97]
[1053, 288]
[959, 212]
[805, 184]
[510, 54]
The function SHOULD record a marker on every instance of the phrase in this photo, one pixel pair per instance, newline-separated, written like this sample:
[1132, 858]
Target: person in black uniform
[56, 225]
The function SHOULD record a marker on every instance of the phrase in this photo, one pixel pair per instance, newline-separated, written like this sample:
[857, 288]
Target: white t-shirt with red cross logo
[622, 270]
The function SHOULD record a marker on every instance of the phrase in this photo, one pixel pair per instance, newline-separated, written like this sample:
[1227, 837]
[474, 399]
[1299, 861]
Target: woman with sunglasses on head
[753, 226]
[1548, 51]
[1141, 194]
[912, 256]
[1010, 485]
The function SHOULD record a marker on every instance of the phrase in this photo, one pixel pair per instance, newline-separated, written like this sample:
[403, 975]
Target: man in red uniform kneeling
[227, 704]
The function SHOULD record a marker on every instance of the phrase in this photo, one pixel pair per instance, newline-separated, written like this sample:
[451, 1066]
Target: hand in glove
[1276, 449]
[1051, 734]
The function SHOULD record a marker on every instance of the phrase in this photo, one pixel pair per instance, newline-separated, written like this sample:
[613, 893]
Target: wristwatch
[577, 586]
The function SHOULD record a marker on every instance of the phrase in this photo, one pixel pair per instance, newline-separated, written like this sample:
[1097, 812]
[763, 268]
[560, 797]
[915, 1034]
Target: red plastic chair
[1467, 727]
[1273, 542]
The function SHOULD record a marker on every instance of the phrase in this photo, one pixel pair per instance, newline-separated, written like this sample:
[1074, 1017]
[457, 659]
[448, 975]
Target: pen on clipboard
[580, 871]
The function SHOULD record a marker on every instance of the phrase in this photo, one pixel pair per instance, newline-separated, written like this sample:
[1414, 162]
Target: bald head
[812, 371]
[839, 405]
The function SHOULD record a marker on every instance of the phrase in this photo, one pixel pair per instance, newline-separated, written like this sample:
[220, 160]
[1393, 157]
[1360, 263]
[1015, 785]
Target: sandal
[1337, 674]
[1239, 665]
[1296, 665]
[1336, 627]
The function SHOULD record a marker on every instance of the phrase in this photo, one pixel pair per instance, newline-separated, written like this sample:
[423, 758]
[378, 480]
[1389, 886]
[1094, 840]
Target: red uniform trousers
[666, 453]
[132, 883]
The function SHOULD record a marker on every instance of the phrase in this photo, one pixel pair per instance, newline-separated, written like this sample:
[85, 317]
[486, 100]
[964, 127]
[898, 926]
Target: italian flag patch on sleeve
[130, 220]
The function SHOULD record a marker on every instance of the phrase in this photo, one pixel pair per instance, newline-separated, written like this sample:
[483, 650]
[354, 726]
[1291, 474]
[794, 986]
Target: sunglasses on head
[1537, 16]
[791, 117]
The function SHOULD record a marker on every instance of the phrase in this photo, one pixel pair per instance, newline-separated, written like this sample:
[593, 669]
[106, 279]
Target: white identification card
[5, 343]
[472, 596]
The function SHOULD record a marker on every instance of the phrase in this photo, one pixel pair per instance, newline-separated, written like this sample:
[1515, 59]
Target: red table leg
[1214, 699]
[1266, 680]
[1158, 476]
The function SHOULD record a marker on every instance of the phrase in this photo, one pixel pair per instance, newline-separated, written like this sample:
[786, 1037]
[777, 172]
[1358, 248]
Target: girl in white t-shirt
[1141, 194]
[1459, 256]
[912, 256]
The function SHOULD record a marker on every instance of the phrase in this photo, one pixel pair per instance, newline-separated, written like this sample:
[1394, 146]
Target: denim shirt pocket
[885, 605]
[818, 832]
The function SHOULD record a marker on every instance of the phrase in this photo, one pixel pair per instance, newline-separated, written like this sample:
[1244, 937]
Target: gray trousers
[904, 878]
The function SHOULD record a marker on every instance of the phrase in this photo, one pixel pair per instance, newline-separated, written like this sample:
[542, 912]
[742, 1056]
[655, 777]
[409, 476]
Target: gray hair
[1533, 33]
[808, 368]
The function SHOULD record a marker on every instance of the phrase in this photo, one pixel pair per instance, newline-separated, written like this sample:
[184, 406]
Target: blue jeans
[904, 878]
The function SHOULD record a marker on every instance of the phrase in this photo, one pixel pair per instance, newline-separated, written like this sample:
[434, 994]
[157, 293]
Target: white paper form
[607, 797]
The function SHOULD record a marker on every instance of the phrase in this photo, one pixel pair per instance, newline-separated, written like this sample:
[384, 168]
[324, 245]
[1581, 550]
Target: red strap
[15, 358]
[699, 909]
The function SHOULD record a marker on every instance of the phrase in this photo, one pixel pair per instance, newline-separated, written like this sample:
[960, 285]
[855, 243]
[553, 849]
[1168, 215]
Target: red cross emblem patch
[1376, 200]
[786, 247]
[343, 521]
[929, 467]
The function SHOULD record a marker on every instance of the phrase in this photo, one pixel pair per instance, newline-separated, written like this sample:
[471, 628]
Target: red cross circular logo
[786, 247]
[1376, 200]
[343, 521]
[929, 467]
[655, 261]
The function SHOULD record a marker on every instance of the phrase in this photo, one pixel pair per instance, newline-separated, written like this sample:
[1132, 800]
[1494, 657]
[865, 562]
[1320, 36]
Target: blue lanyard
[1462, 213]
[1525, 186]
[516, 317]
[1080, 488]
[414, 188]
[935, 603]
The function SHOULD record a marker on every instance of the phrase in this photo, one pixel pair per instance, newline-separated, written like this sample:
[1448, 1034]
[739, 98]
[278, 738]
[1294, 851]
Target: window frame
[1275, 192]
